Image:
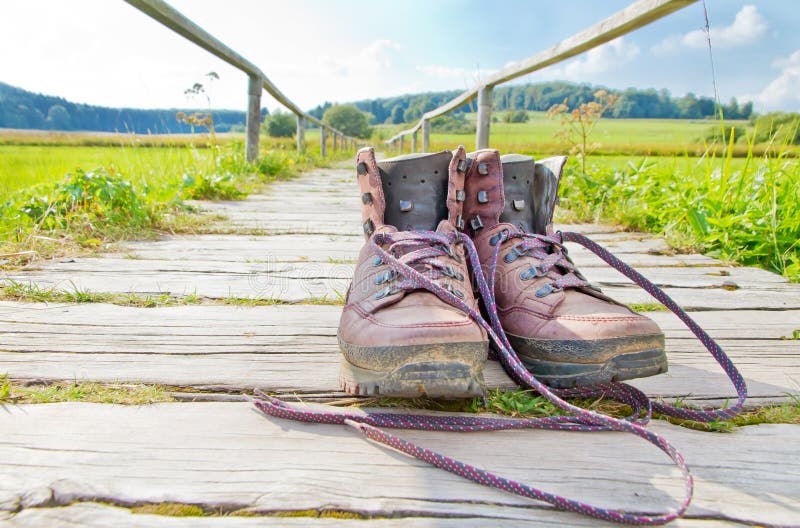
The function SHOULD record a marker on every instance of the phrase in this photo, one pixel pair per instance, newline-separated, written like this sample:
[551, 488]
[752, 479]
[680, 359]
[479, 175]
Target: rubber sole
[562, 363]
[443, 370]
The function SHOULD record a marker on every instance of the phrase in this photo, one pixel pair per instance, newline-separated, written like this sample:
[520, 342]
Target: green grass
[742, 211]
[30, 292]
[609, 132]
[736, 201]
[170, 509]
[71, 199]
[81, 392]
[648, 307]
[525, 403]
[628, 137]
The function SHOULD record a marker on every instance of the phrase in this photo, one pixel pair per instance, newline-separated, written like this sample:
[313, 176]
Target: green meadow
[66, 193]
[735, 201]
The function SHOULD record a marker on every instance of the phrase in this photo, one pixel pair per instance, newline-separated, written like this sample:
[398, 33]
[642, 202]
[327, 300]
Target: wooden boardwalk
[297, 243]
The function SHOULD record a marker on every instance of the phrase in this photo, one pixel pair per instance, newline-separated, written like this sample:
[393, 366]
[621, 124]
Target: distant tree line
[632, 102]
[27, 110]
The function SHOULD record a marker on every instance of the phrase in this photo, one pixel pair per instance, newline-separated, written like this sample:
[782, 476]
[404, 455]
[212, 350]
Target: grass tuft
[134, 193]
[81, 392]
[648, 307]
[525, 403]
[322, 514]
[170, 509]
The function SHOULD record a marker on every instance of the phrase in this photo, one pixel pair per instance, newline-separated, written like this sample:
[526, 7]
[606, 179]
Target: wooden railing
[258, 81]
[638, 14]
[632, 17]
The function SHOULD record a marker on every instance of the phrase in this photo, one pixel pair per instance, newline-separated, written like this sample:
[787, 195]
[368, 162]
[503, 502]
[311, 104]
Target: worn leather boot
[564, 330]
[397, 339]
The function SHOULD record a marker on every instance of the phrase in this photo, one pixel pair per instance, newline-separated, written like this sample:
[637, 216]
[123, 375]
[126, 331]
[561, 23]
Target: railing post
[426, 135]
[322, 141]
[484, 117]
[414, 142]
[401, 144]
[301, 135]
[254, 87]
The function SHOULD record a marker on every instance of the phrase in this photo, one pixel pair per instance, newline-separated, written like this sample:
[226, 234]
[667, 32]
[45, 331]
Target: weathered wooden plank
[316, 371]
[317, 374]
[310, 320]
[94, 515]
[680, 277]
[293, 349]
[268, 286]
[226, 454]
[324, 248]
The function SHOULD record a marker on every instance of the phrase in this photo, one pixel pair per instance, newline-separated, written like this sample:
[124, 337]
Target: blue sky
[105, 52]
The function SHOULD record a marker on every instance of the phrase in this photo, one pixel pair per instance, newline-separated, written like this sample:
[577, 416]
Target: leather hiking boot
[397, 338]
[564, 330]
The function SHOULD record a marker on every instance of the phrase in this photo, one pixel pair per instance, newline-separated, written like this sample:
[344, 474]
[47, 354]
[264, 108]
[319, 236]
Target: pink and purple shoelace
[428, 246]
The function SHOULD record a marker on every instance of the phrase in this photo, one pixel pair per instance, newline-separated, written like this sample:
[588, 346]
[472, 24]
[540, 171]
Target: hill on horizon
[23, 109]
[632, 103]
[28, 110]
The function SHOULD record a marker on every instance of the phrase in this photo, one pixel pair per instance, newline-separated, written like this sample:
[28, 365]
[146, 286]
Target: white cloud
[371, 59]
[781, 93]
[747, 27]
[605, 58]
[455, 73]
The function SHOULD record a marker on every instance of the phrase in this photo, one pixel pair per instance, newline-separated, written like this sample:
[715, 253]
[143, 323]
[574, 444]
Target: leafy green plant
[94, 198]
[5, 388]
[211, 187]
[794, 337]
[738, 212]
[276, 163]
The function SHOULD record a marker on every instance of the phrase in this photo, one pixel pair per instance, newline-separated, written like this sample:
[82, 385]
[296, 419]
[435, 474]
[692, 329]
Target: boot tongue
[518, 173]
[531, 191]
[415, 190]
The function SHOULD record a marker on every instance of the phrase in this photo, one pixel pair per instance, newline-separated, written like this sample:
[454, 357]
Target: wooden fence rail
[634, 16]
[174, 20]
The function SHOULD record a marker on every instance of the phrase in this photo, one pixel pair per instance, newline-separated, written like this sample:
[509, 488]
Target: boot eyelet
[513, 255]
[546, 290]
[386, 292]
[532, 273]
[386, 277]
[498, 237]
[449, 287]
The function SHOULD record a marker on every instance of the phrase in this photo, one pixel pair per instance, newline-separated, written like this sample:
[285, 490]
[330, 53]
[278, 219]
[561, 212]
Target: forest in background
[27, 110]
[22, 109]
[631, 103]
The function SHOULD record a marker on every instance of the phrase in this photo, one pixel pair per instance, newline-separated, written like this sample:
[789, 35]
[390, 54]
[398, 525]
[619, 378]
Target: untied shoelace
[430, 245]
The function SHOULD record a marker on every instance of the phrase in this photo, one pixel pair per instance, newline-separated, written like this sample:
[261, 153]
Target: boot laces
[551, 260]
[423, 250]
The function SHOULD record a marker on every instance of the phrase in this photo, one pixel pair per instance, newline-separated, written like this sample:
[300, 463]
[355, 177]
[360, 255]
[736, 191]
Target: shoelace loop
[422, 248]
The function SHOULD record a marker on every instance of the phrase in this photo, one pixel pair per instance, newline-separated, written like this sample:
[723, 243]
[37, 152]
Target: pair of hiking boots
[398, 338]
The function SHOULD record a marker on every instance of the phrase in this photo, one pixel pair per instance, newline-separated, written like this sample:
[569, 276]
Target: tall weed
[748, 214]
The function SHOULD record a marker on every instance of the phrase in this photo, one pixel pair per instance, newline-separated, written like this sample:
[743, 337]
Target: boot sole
[638, 357]
[443, 371]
